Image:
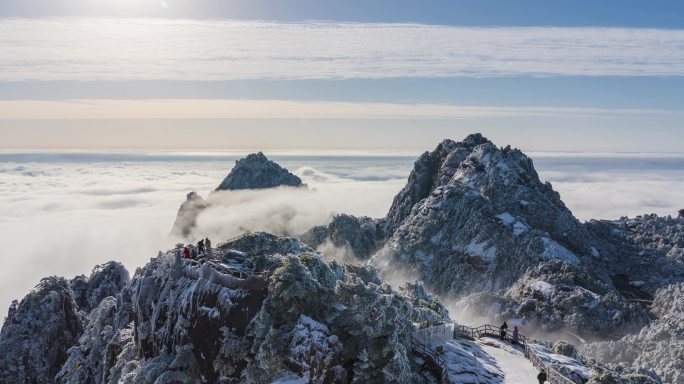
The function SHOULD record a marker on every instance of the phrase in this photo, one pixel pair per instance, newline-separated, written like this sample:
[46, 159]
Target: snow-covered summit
[476, 218]
[256, 171]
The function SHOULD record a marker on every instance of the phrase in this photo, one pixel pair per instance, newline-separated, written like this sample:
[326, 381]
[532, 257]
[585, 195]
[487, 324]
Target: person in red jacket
[186, 252]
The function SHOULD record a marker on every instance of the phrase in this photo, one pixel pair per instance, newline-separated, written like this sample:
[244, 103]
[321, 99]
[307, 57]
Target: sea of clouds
[61, 214]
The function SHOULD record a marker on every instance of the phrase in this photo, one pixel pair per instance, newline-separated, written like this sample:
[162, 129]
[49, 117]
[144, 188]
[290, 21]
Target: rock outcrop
[105, 280]
[644, 253]
[361, 237]
[255, 171]
[38, 332]
[186, 218]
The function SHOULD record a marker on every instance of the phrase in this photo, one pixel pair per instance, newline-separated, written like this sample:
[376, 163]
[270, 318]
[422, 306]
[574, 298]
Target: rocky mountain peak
[475, 163]
[105, 280]
[474, 217]
[256, 171]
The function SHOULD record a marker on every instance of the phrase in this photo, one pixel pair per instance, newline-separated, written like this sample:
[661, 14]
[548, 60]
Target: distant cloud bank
[284, 109]
[156, 49]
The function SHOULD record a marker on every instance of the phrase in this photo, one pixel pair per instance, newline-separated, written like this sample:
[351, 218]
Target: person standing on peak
[207, 246]
[186, 252]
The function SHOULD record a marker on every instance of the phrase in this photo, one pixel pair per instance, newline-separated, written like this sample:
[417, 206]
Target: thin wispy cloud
[282, 109]
[156, 49]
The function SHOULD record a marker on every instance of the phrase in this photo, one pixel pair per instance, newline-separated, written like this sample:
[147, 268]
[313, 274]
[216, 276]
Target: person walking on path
[207, 246]
[186, 252]
[541, 377]
[503, 329]
[200, 247]
[516, 335]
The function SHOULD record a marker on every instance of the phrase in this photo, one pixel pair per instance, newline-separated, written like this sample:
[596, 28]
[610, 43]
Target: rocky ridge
[262, 308]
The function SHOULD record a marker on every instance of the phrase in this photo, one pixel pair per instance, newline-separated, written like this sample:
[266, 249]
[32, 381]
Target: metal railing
[436, 356]
[553, 375]
[423, 341]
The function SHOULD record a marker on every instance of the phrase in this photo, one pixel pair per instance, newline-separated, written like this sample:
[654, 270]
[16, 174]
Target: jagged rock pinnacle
[256, 171]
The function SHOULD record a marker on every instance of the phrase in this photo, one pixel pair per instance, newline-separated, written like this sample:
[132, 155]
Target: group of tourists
[515, 339]
[202, 249]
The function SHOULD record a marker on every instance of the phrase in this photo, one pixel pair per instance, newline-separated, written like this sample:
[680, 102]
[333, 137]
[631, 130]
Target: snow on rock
[482, 250]
[314, 349]
[544, 288]
[256, 171]
[105, 280]
[595, 252]
[86, 361]
[461, 249]
[363, 236]
[553, 250]
[37, 333]
[558, 295]
[569, 367]
[288, 377]
[519, 228]
[468, 362]
[659, 346]
[506, 218]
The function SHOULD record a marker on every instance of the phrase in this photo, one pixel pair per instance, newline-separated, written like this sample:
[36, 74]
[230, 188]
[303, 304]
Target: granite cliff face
[255, 171]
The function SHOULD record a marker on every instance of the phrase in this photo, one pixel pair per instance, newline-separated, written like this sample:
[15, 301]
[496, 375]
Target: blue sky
[540, 75]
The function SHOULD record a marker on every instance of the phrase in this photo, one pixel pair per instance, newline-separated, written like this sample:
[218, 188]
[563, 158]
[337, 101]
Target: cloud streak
[161, 49]
[284, 109]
